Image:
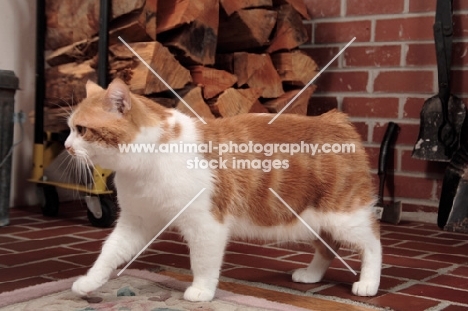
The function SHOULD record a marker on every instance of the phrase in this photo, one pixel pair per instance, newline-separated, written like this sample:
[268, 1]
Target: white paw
[86, 284]
[198, 294]
[364, 288]
[304, 276]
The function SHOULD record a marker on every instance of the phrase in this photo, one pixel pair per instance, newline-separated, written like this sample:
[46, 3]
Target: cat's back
[320, 163]
[328, 127]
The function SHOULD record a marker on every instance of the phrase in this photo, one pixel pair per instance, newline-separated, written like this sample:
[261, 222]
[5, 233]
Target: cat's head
[105, 119]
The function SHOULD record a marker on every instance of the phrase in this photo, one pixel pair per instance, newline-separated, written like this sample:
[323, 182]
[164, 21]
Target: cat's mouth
[70, 150]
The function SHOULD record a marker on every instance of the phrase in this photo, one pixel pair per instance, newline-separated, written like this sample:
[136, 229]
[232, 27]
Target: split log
[235, 101]
[163, 101]
[257, 107]
[290, 32]
[175, 13]
[137, 26]
[298, 106]
[141, 80]
[257, 71]
[86, 49]
[231, 6]
[298, 5]
[212, 81]
[208, 50]
[195, 100]
[245, 30]
[76, 52]
[72, 21]
[65, 84]
[296, 68]
[196, 42]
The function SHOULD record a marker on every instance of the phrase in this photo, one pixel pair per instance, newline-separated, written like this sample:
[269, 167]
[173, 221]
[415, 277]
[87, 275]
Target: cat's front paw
[363, 288]
[305, 276]
[86, 284]
[198, 294]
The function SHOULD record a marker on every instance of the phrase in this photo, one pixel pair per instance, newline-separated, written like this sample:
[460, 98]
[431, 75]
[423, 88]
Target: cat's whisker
[90, 168]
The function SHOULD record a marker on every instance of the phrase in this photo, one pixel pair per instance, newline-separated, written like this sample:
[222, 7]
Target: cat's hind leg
[365, 237]
[207, 241]
[319, 264]
[368, 240]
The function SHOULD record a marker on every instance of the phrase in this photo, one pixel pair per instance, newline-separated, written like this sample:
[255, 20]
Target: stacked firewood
[223, 57]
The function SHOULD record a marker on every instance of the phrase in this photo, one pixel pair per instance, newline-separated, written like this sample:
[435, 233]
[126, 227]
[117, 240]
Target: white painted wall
[17, 53]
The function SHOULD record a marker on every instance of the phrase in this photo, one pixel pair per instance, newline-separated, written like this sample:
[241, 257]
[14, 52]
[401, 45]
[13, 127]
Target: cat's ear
[118, 97]
[92, 88]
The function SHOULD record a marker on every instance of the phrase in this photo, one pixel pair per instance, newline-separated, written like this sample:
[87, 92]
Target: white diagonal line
[162, 80]
[312, 80]
[162, 230]
[313, 231]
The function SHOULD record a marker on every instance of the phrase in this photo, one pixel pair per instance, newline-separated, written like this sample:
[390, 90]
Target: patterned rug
[135, 290]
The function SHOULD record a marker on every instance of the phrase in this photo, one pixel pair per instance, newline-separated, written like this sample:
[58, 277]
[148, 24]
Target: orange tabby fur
[328, 184]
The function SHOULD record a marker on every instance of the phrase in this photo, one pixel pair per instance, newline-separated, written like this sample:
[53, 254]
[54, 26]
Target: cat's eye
[81, 130]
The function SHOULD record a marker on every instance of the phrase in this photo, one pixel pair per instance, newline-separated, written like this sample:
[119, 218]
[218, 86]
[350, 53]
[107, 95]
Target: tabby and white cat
[332, 192]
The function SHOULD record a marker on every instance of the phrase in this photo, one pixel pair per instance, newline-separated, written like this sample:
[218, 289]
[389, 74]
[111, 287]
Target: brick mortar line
[420, 257]
[363, 18]
[32, 218]
[377, 120]
[343, 8]
[12, 236]
[386, 16]
[8, 250]
[461, 243]
[440, 272]
[424, 256]
[440, 301]
[70, 247]
[441, 306]
[86, 239]
[387, 68]
[73, 263]
[433, 235]
[22, 279]
[26, 228]
[406, 6]
[313, 44]
[418, 234]
[377, 96]
[360, 69]
[39, 249]
[426, 253]
[43, 260]
[424, 282]
[425, 202]
[464, 235]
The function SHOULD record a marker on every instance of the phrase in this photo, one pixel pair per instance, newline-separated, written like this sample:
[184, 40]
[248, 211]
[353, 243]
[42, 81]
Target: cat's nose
[69, 149]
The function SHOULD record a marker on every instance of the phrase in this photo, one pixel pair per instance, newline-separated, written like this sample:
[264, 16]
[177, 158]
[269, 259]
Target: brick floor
[424, 268]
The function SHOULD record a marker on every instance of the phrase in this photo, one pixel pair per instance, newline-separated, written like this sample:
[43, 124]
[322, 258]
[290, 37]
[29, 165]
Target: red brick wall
[386, 75]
